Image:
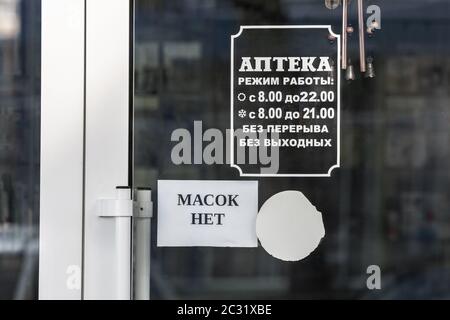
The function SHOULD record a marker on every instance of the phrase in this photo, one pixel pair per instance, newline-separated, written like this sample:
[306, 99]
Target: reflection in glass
[19, 147]
[332, 4]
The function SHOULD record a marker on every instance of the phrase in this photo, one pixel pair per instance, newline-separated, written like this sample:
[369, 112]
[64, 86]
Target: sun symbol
[242, 113]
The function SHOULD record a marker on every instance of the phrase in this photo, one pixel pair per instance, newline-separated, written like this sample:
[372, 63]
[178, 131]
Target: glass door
[83, 115]
[387, 205]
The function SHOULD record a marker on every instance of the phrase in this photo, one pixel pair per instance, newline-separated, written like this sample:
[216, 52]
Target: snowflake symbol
[242, 113]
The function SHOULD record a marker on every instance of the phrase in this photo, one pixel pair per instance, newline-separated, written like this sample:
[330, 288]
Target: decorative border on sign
[338, 156]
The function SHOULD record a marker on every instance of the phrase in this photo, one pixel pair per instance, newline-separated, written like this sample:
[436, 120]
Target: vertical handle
[362, 46]
[123, 248]
[143, 212]
[344, 33]
[117, 214]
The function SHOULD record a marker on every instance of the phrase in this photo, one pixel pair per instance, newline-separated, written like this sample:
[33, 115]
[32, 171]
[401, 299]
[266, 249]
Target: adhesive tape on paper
[289, 227]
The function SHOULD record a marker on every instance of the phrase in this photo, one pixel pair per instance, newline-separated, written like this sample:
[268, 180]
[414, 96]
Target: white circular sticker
[289, 227]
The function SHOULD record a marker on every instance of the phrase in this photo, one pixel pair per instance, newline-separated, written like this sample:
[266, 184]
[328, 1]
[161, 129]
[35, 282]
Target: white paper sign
[207, 213]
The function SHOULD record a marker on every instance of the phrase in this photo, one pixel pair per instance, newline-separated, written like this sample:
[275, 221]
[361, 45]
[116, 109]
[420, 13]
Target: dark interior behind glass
[387, 205]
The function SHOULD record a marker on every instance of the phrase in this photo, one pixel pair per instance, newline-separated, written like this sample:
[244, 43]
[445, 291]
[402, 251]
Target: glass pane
[388, 204]
[20, 43]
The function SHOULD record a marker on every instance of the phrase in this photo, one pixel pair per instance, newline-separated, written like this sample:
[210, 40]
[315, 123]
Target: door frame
[86, 147]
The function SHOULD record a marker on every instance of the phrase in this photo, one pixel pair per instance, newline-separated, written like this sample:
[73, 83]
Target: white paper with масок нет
[207, 213]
